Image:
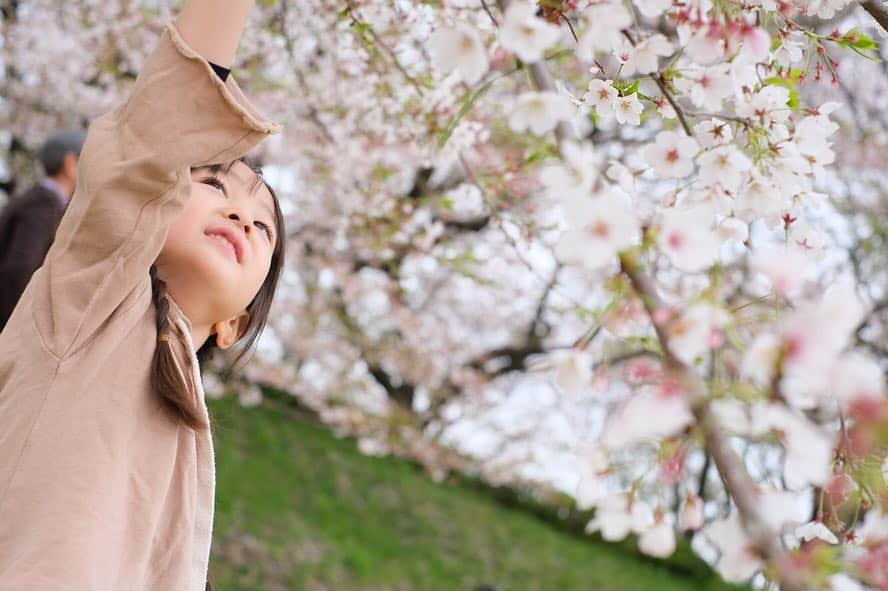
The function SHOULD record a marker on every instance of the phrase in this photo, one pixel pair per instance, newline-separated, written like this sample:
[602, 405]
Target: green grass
[297, 508]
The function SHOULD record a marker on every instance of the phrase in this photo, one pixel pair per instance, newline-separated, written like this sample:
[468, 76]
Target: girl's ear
[229, 331]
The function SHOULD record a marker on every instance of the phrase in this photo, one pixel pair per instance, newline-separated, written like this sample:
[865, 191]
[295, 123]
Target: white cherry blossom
[713, 132]
[744, 75]
[612, 518]
[601, 24]
[705, 44]
[826, 8]
[596, 229]
[657, 541]
[459, 49]
[724, 165]
[628, 109]
[671, 154]
[738, 559]
[687, 238]
[643, 58]
[784, 266]
[760, 361]
[768, 105]
[539, 112]
[620, 174]
[811, 139]
[707, 87]
[692, 332]
[631, 424]
[842, 582]
[603, 96]
[789, 52]
[573, 370]
[815, 530]
[755, 43]
[814, 336]
[526, 35]
[809, 448]
[731, 228]
[857, 377]
[652, 8]
[575, 175]
[759, 198]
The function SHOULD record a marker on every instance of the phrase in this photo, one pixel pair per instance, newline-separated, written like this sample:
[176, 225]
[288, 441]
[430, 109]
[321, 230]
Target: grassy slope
[297, 508]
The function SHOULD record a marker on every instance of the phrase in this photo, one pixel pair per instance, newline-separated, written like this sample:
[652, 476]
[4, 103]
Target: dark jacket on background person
[27, 227]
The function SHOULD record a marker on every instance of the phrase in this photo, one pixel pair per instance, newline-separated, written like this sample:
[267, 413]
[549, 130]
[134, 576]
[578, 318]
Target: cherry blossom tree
[658, 223]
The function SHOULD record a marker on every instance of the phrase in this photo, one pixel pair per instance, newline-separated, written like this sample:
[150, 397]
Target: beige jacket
[100, 489]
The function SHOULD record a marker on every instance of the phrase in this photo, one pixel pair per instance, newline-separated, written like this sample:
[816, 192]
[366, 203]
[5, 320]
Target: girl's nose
[240, 219]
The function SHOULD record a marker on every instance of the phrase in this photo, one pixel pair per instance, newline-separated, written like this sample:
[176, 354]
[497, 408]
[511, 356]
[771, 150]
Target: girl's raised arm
[213, 27]
[134, 175]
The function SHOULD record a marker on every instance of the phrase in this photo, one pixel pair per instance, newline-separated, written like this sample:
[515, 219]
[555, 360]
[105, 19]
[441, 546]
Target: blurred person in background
[28, 222]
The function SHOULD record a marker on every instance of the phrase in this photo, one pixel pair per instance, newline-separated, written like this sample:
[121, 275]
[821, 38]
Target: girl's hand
[213, 27]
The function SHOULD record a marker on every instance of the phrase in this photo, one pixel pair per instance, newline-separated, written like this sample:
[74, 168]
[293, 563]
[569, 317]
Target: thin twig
[489, 13]
[570, 26]
[388, 50]
[739, 485]
[730, 466]
[661, 84]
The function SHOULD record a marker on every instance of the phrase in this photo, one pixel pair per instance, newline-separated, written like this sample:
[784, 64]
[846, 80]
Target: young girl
[170, 244]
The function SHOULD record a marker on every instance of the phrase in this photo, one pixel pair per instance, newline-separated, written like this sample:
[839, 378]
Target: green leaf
[626, 87]
[541, 153]
[468, 102]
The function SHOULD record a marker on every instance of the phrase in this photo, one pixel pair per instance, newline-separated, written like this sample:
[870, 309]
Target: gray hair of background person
[52, 154]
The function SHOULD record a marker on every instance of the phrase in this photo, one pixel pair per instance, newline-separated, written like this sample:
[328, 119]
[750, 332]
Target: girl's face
[218, 250]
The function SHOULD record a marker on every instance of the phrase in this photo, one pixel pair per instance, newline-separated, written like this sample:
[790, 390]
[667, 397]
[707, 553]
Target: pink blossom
[784, 267]
[671, 154]
[597, 229]
[707, 87]
[687, 239]
[713, 132]
[690, 334]
[706, 43]
[634, 422]
[755, 42]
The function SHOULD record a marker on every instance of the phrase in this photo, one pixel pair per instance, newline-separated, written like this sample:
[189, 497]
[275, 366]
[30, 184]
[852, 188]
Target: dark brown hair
[165, 377]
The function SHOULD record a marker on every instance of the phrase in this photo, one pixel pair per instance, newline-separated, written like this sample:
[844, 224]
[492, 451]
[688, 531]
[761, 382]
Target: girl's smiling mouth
[228, 239]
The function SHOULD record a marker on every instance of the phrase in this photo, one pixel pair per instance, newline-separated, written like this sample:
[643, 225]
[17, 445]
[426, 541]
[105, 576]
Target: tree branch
[876, 11]
[739, 485]
[737, 481]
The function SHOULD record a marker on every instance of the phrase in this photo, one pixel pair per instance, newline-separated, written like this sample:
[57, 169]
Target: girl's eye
[264, 227]
[214, 183]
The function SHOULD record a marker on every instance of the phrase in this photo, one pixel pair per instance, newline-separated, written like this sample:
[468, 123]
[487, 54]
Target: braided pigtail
[165, 376]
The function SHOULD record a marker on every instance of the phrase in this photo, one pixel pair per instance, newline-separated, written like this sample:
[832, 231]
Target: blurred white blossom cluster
[618, 249]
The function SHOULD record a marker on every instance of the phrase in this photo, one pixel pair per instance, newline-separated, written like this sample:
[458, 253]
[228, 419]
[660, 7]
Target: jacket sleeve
[133, 179]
